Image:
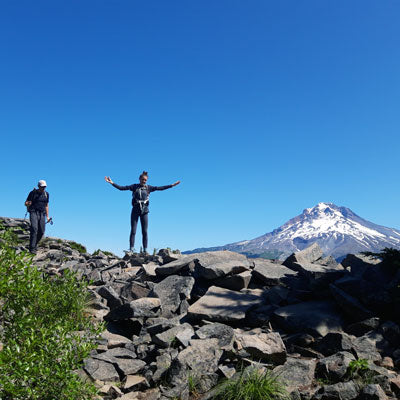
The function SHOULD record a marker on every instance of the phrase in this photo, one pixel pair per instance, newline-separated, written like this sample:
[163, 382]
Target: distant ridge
[337, 230]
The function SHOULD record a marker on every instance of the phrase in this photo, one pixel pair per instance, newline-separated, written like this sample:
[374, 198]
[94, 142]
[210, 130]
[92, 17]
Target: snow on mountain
[337, 230]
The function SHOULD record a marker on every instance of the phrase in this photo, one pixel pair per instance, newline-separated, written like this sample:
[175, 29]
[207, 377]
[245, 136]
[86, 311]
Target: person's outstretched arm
[154, 188]
[119, 187]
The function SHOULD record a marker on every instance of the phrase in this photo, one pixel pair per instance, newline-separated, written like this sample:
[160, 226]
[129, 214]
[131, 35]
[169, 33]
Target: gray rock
[224, 333]
[349, 304]
[112, 297]
[391, 332]
[373, 392]
[338, 391]
[225, 305]
[182, 332]
[296, 372]
[150, 269]
[271, 273]
[171, 291]
[158, 325]
[359, 263]
[259, 316]
[362, 327]
[334, 367]
[144, 307]
[216, 264]
[163, 362]
[365, 347]
[168, 256]
[201, 357]
[308, 255]
[317, 273]
[100, 370]
[114, 340]
[117, 352]
[261, 346]
[335, 342]
[234, 282]
[133, 291]
[128, 366]
[314, 317]
[184, 263]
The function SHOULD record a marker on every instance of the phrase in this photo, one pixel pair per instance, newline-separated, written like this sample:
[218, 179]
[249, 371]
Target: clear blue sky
[260, 108]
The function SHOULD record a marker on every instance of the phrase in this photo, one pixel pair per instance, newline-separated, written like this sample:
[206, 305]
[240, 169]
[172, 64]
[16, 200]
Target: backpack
[35, 191]
[141, 198]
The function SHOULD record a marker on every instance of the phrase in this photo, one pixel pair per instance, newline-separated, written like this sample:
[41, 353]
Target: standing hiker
[140, 205]
[38, 207]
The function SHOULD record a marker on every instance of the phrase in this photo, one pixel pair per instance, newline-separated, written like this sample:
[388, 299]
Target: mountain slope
[337, 230]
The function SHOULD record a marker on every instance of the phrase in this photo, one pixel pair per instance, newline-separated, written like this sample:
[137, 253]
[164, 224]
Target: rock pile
[175, 322]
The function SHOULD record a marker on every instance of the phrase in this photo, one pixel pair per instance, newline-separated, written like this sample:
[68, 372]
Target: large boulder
[182, 264]
[349, 304]
[225, 305]
[271, 273]
[217, 264]
[261, 346]
[334, 367]
[308, 255]
[202, 356]
[171, 291]
[224, 333]
[359, 263]
[315, 317]
[144, 307]
[234, 282]
[101, 370]
[296, 373]
[338, 391]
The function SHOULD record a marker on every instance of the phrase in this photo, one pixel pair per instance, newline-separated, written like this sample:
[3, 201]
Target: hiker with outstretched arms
[38, 208]
[140, 205]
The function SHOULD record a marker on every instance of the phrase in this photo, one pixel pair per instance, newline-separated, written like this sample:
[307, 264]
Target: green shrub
[45, 331]
[357, 368]
[105, 252]
[77, 246]
[252, 384]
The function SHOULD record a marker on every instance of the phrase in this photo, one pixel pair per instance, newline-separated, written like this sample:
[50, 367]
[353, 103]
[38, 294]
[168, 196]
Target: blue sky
[260, 108]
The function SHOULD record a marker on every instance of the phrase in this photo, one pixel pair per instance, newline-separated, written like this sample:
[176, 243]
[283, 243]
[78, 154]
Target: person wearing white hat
[38, 207]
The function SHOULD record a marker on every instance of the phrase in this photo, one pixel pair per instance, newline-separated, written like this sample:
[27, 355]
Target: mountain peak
[337, 230]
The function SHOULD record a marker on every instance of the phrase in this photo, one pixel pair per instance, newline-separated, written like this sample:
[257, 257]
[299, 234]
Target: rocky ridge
[174, 319]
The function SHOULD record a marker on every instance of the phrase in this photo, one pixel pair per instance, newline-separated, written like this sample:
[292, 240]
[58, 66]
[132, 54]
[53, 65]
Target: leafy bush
[45, 332]
[105, 252]
[77, 246]
[357, 368]
[252, 384]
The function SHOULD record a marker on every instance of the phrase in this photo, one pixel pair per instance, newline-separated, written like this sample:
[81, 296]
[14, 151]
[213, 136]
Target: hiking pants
[38, 223]
[144, 222]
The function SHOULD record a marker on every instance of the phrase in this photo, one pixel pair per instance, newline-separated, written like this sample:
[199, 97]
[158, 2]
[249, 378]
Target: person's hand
[48, 219]
[108, 179]
[28, 203]
[176, 183]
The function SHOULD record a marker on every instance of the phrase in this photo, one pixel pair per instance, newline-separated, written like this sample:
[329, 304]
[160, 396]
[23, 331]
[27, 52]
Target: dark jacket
[140, 195]
[39, 200]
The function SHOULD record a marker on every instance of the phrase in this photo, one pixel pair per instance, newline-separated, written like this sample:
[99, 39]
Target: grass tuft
[252, 384]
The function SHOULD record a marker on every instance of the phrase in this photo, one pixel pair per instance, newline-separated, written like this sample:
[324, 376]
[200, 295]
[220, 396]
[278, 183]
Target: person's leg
[134, 221]
[41, 227]
[144, 221]
[33, 231]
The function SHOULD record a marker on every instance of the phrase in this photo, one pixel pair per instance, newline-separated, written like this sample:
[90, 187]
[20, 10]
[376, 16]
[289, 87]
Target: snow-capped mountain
[337, 230]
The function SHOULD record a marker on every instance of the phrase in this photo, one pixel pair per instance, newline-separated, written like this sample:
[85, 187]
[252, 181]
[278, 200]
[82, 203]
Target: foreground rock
[172, 320]
[225, 305]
